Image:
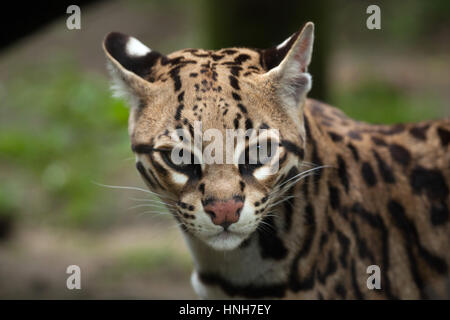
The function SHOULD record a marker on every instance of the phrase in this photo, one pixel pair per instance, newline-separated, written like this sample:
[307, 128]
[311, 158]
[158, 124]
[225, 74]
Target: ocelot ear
[287, 66]
[130, 64]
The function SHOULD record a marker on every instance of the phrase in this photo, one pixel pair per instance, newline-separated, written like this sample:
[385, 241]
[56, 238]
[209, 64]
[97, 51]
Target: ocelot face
[217, 134]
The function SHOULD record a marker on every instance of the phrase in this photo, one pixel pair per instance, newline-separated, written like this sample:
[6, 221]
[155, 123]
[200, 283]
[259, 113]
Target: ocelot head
[219, 135]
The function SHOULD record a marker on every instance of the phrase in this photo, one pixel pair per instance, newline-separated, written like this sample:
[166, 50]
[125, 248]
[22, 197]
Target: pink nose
[224, 213]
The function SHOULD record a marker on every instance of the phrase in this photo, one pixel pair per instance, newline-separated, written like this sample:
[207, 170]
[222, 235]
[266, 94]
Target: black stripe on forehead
[175, 75]
[228, 51]
[241, 58]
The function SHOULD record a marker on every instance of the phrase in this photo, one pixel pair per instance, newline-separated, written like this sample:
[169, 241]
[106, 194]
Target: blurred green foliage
[147, 260]
[60, 130]
[379, 102]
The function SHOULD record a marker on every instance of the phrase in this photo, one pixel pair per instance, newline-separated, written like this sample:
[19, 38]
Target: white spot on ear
[179, 178]
[136, 48]
[285, 42]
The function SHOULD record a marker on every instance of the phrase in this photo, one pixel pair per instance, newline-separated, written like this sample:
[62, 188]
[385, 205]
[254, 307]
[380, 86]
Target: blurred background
[62, 134]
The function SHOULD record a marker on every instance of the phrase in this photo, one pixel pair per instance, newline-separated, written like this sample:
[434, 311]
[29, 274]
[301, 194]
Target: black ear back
[131, 54]
[287, 66]
[273, 56]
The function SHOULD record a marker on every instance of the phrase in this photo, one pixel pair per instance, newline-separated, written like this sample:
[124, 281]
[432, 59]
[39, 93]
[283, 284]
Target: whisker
[304, 172]
[280, 201]
[129, 188]
[306, 163]
[270, 215]
[154, 213]
[266, 227]
[153, 201]
[293, 183]
[298, 177]
[149, 205]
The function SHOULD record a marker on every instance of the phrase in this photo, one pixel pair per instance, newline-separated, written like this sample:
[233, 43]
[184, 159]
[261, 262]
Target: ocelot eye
[182, 161]
[169, 158]
[256, 155]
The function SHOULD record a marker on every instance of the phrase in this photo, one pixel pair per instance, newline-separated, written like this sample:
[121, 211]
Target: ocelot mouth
[225, 240]
[225, 234]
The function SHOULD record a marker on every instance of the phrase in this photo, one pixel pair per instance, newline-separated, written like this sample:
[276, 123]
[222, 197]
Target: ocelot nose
[224, 213]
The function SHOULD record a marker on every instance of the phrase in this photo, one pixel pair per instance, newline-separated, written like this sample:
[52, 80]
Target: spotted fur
[348, 194]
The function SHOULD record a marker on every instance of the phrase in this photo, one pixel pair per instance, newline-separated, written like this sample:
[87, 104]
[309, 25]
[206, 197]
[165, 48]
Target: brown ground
[113, 264]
